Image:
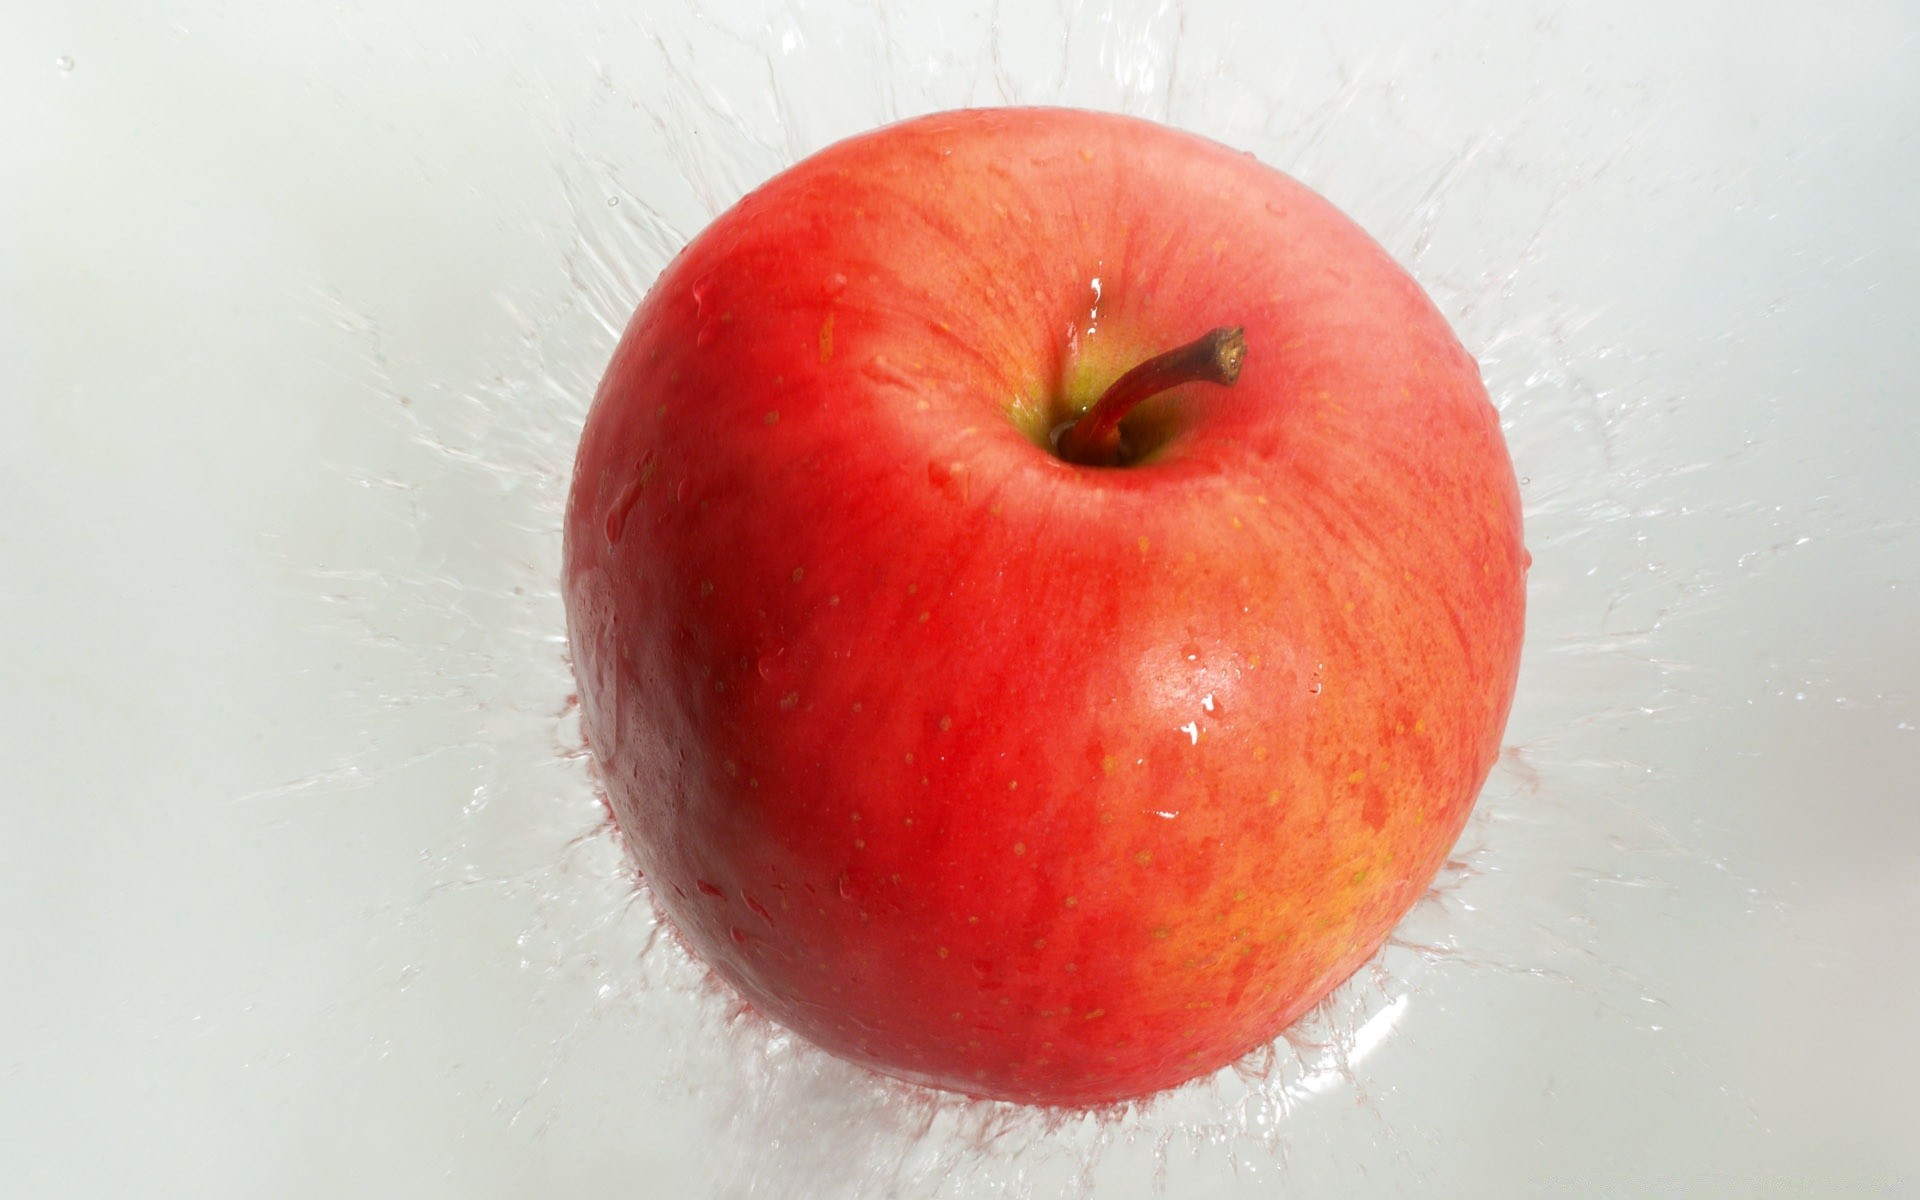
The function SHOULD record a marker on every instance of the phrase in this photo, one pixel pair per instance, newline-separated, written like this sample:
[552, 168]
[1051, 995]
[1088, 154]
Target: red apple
[1054, 781]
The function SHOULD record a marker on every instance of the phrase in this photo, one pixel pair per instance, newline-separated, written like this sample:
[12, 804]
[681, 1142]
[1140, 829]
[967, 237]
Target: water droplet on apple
[835, 284]
[769, 664]
[702, 288]
[759, 909]
[622, 505]
[707, 889]
[738, 935]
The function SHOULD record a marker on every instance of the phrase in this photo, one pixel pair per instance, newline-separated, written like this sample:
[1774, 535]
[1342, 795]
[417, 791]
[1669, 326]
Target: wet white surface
[304, 882]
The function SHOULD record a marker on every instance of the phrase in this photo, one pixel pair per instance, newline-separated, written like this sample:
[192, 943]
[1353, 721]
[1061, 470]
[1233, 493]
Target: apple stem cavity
[1094, 439]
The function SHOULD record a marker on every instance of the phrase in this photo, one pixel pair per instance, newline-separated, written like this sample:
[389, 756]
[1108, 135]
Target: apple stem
[1094, 439]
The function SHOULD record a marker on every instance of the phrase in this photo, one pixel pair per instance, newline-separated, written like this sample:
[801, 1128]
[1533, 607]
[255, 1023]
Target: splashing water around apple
[784, 1119]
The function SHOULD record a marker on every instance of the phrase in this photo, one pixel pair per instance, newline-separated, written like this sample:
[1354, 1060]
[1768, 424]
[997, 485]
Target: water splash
[1575, 843]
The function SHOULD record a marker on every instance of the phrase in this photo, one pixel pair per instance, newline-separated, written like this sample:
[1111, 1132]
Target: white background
[303, 886]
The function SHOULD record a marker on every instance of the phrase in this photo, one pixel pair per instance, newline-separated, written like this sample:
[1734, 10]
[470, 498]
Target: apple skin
[1040, 782]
